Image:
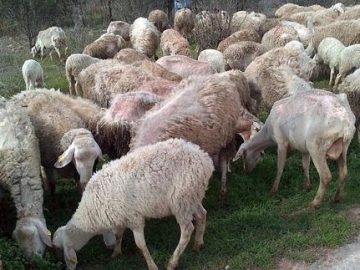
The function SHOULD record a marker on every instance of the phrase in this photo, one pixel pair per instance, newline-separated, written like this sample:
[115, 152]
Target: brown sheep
[173, 43]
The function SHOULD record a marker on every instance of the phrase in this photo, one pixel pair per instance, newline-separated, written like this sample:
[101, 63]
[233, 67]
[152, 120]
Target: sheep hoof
[274, 190]
[314, 206]
[170, 266]
[115, 254]
[222, 196]
[198, 247]
[336, 198]
[307, 187]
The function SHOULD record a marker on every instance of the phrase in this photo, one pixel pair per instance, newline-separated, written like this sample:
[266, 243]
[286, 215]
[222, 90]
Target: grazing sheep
[74, 64]
[129, 56]
[328, 52]
[204, 110]
[184, 22]
[144, 37]
[351, 87]
[20, 174]
[119, 28]
[279, 82]
[50, 38]
[239, 55]
[155, 181]
[238, 36]
[247, 20]
[298, 60]
[185, 66]
[304, 33]
[279, 36]
[160, 19]
[338, 30]
[100, 81]
[349, 61]
[124, 111]
[319, 124]
[33, 74]
[214, 58]
[173, 43]
[105, 47]
[53, 114]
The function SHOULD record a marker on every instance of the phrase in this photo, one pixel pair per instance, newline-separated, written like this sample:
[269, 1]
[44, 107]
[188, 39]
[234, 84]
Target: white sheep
[50, 38]
[155, 181]
[349, 61]
[328, 52]
[33, 74]
[215, 58]
[318, 123]
[144, 37]
[56, 117]
[20, 174]
[74, 64]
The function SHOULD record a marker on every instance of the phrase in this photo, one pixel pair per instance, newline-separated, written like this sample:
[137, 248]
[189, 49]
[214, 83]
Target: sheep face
[32, 236]
[250, 158]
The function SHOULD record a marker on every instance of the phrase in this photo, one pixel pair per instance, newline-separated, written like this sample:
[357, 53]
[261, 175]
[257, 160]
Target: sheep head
[32, 236]
[63, 249]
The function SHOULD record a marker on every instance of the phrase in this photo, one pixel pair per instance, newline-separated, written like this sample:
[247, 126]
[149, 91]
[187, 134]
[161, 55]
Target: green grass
[252, 229]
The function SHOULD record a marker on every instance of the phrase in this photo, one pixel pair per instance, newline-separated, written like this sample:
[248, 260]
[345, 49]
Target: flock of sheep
[167, 123]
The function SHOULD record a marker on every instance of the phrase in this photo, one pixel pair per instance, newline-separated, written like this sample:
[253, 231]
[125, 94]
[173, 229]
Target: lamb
[328, 52]
[296, 59]
[50, 38]
[53, 114]
[179, 173]
[214, 58]
[33, 74]
[173, 43]
[205, 110]
[20, 174]
[144, 37]
[159, 18]
[319, 124]
[74, 64]
[238, 36]
[239, 55]
[349, 61]
[185, 66]
[119, 28]
[351, 87]
[105, 47]
[184, 22]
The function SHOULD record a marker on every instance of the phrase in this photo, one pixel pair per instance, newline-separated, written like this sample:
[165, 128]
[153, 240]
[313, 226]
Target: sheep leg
[58, 52]
[325, 178]
[281, 153]
[223, 171]
[3, 211]
[50, 180]
[117, 249]
[186, 230]
[141, 244]
[332, 72]
[343, 171]
[306, 165]
[200, 223]
[72, 91]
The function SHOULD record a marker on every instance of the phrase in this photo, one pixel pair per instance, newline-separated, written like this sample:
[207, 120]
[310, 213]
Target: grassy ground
[252, 229]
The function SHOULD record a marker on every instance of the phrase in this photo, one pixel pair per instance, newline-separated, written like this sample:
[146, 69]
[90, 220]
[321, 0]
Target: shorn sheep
[74, 64]
[50, 38]
[319, 124]
[20, 174]
[53, 114]
[33, 74]
[155, 181]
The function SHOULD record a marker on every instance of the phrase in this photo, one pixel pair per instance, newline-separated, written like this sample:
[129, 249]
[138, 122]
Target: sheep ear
[65, 158]
[239, 153]
[44, 233]
[70, 257]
